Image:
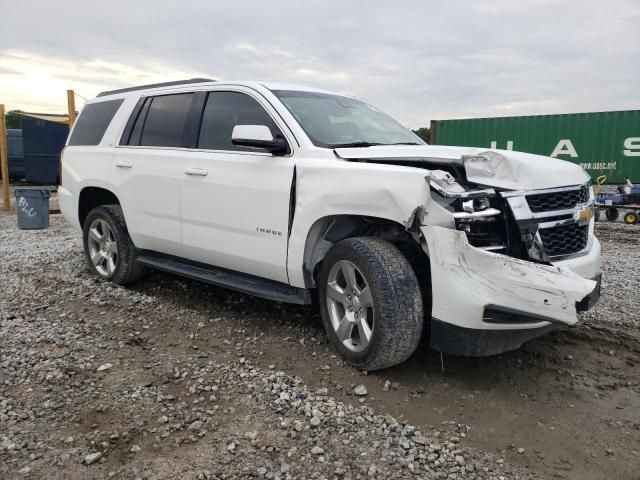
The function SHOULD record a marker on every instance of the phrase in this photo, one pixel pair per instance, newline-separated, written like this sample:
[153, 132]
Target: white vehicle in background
[280, 191]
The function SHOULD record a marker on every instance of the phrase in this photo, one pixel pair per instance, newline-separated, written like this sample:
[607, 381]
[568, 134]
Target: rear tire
[108, 249]
[375, 320]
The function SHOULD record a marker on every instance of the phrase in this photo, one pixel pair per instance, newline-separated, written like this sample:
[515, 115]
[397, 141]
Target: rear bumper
[68, 206]
[485, 303]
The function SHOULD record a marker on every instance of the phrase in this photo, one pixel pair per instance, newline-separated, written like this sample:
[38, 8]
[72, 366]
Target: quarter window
[165, 121]
[93, 122]
[225, 110]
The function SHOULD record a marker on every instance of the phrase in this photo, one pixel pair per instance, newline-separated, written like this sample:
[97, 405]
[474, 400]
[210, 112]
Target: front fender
[396, 193]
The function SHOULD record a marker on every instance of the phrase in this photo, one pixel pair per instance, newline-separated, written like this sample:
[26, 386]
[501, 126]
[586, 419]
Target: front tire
[108, 249]
[370, 303]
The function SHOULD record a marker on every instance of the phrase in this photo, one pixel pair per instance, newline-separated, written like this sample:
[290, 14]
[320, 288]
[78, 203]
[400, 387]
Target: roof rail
[155, 85]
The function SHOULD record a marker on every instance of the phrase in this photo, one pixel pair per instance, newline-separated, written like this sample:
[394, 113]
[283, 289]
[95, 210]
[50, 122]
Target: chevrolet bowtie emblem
[585, 214]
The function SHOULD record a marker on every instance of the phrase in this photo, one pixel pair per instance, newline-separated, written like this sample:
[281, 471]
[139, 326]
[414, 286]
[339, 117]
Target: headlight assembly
[474, 211]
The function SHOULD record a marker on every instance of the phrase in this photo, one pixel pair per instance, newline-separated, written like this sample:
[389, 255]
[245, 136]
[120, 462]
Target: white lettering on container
[632, 146]
[23, 205]
[494, 144]
[564, 147]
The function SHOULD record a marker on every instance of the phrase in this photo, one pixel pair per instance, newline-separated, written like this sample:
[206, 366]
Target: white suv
[281, 191]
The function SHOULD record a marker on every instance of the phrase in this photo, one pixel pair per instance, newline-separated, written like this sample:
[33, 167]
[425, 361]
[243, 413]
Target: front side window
[225, 110]
[333, 121]
[93, 122]
[165, 121]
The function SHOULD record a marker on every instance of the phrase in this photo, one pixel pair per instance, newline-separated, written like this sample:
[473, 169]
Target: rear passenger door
[147, 171]
[235, 200]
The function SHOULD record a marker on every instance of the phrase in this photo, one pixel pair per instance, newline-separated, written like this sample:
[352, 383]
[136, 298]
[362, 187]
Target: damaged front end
[486, 303]
[509, 236]
[538, 225]
[511, 265]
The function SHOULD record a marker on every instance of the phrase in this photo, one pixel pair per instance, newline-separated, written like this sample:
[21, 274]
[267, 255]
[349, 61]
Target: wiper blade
[354, 145]
[405, 143]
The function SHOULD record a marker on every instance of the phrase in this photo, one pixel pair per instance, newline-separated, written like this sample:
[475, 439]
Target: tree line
[423, 133]
[13, 119]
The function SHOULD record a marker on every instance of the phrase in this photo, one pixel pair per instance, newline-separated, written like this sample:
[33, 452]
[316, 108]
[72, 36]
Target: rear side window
[164, 122]
[93, 122]
[225, 110]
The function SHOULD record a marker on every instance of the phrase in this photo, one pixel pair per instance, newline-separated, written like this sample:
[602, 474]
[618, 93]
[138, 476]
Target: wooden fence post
[71, 105]
[4, 160]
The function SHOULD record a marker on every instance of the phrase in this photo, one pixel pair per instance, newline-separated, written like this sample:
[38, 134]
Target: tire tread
[397, 298]
[128, 269]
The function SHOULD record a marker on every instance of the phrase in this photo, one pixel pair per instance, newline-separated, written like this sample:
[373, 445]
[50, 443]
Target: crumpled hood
[495, 168]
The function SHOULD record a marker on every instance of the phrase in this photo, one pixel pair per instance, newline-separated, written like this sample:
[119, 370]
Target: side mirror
[259, 136]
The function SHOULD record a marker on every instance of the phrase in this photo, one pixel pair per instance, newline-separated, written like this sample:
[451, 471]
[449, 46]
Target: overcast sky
[417, 60]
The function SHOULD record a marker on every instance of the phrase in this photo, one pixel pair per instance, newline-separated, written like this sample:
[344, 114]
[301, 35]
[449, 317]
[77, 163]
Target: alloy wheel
[103, 249]
[350, 305]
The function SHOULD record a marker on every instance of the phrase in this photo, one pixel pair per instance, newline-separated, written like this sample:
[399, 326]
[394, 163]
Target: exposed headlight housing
[447, 186]
[474, 211]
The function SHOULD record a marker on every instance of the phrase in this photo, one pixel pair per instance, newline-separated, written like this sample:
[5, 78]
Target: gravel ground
[173, 379]
[620, 276]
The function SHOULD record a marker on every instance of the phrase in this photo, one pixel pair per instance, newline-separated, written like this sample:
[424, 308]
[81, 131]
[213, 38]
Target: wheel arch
[91, 197]
[328, 230]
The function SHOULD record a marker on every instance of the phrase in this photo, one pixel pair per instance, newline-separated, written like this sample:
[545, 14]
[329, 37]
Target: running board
[241, 282]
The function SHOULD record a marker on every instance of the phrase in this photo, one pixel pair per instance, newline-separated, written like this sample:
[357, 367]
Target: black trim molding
[471, 342]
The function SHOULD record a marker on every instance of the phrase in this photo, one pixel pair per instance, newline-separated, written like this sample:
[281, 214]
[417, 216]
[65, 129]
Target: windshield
[333, 121]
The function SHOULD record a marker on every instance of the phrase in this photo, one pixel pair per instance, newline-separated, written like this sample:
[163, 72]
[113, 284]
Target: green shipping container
[603, 143]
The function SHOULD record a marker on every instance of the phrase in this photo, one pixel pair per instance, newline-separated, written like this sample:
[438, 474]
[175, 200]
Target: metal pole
[4, 160]
[71, 105]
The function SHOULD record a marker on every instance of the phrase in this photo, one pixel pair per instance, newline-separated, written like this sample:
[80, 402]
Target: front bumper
[470, 342]
[486, 303]
[588, 302]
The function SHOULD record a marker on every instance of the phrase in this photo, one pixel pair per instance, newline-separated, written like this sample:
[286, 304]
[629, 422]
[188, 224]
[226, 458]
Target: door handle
[123, 164]
[199, 172]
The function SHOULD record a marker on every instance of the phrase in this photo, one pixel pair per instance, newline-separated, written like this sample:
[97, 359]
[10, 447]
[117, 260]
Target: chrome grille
[564, 239]
[562, 200]
[550, 221]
